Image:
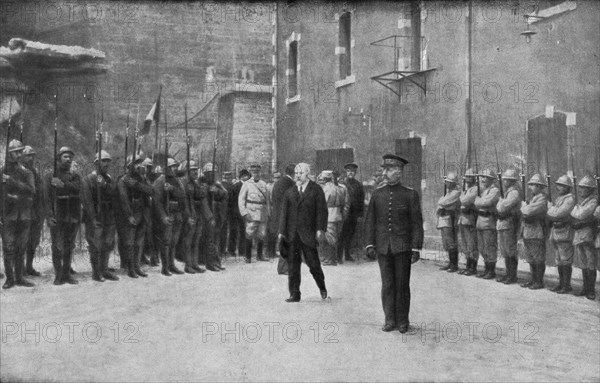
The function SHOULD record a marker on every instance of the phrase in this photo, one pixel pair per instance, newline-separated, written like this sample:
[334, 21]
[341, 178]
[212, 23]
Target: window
[293, 68]
[344, 44]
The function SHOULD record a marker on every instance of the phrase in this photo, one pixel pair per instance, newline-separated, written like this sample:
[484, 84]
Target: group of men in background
[481, 218]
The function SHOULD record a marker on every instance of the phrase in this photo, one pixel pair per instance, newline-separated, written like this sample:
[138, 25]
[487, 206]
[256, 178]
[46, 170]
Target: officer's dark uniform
[37, 218]
[171, 204]
[394, 227]
[63, 204]
[17, 200]
[209, 252]
[134, 193]
[150, 239]
[99, 219]
[357, 205]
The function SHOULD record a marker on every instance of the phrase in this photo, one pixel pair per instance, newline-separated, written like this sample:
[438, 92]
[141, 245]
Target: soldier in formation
[508, 225]
[254, 205]
[447, 212]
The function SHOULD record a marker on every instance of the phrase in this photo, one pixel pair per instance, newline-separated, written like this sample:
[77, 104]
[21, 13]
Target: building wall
[558, 67]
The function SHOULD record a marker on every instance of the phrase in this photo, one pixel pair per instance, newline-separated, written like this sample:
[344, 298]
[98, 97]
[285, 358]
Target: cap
[537, 179]
[193, 166]
[137, 160]
[451, 177]
[208, 167]
[147, 162]
[351, 165]
[15, 146]
[510, 174]
[65, 149]
[393, 160]
[489, 173]
[227, 174]
[326, 174]
[276, 174]
[244, 172]
[104, 156]
[587, 182]
[564, 180]
[172, 162]
[28, 150]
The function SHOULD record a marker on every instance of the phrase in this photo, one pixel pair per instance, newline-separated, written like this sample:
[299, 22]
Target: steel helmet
[587, 182]
[510, 174]
[65, 149]
[208, 167]
[158, 169]
[489, 173]
[451, 178]
[15, 146]
[564, 180]
[147, 162]
[172, 162]
[537, 179]
[469, 173]
[104, 156]
[193, 166]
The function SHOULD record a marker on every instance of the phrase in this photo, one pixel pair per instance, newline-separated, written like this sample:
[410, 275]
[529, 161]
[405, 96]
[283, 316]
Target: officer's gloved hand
[416, 255]
[167, 221]
[191, 221]
[57, 183]
[5, 177]
[100, 180]
[320, 236]
[371, 253]
[132, 221]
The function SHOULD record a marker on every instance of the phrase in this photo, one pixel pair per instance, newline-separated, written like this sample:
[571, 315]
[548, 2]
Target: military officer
[254, 206]
[466, 223]
[99, 197]
[237, 237]
[217, 200]
[533, 231]
[338, 205]
[63, 214]
[37, 211]
[172, 211]
[561, 233]
[227, 183]
[356, 193]
[134, 192]
[508, 225]
[447, 211]
[149, 241]
[487, 236]
[597, 217]
[583, 240]
[17, 191]
[197, 196]
[394, 235]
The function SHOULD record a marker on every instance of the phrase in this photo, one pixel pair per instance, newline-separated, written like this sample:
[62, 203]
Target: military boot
[137, 266]
[453, 255]
[507, 267]
[492, 271]
[512, 275]
[8, 269]
[468, 264]
[29, 270]
[106, 273]
[591, 294]
[566, 288]
[561, 279]
[172, 268]
[472, 269]
[539, 277]
[248, 252]
[19, 280]
[486, 270]
[259, 251]
[530, 282]
[164, 261]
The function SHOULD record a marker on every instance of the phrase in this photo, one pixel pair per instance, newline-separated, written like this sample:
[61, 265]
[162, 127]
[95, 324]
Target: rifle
[22, 117]
[597, 173]
[99, 164]
[522, 176]
[574, 179]
[187, 141]
[166, 163]
[477, 174]
[6, 160]
[443, 175]
[499, 173]
[55, 174]
[548, 176]
[126, 141]
[136, 132]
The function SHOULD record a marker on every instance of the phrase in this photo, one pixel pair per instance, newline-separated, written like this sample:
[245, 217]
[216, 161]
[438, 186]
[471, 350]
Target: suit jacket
[394, 220]
[303, 215]
[356, 193]
[279, 189]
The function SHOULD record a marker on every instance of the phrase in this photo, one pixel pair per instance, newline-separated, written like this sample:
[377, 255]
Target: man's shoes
[220, 267]
[445, 268]
[33, 272]
[8, 284]
[110, 276]
[24, 283]
[139, 272]
[72, 271]
[323, 294]
[293, 298]
[452, 269]
[403, 328]
[212, 268]
[189, 270]
[198, 269]
[97, 278]
[166, 272]
[131, 273]
[175, 270]
[388, 328]
[70, 280]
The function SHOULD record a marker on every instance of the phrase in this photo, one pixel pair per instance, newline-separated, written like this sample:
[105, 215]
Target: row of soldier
[481, 219]
[153, 216]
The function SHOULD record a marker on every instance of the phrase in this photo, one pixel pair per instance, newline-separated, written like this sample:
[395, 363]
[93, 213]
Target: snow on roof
[18, 46]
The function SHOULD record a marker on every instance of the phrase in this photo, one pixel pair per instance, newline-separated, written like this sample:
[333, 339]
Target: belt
[483, 213]
[582, 225]
[560, 225]
[466, 210]
[256, 202]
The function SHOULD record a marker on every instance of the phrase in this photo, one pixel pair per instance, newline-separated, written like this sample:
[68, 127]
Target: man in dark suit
[279, 189]
[394, 235]
[302, 224]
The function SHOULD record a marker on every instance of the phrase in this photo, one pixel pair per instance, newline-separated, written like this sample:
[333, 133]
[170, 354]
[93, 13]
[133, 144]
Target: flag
[6, 108]
[153, 115]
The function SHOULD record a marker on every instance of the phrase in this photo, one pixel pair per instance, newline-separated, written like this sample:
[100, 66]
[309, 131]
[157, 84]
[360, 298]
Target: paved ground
[235, 326]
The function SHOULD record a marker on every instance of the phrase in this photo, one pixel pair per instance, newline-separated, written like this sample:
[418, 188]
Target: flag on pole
[7, 110]
[153, 115]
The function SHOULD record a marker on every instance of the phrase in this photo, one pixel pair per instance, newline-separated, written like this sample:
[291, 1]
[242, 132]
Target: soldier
[561, 234]
[63, 214]
[466, 223]
[134, 193]
[487, 236]
[17, 191]
[447, 212]
[254, 207]
[338, 205]
[533, 232]
[583, 240]
[227, 184]
[148, 245]
[217, 199]
[356, 193]
[237, 237]
[37, 211]
[200, 211]
[394, 235]
[99, 217]
[171, 209]
[508, 225]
